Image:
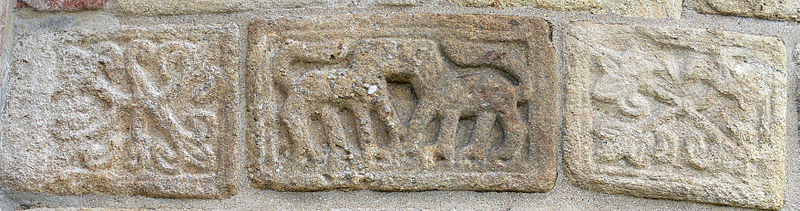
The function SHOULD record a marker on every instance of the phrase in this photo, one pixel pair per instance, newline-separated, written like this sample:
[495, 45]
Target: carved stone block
[124, 111]
[402, 102]
[684, 114]
[632, 8]
[178, 7]
[766, 9]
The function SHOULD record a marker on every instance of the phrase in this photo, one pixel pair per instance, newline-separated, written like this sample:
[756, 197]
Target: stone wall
[399, 104]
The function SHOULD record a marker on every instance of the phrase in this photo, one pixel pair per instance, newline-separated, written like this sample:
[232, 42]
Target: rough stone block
[65, 5]
[124, 110]
[91, 209]
[402, 102]
[766, 9]
[177, 7]
[103, 209]
[673, 113]
[404, 2]
[635, 8]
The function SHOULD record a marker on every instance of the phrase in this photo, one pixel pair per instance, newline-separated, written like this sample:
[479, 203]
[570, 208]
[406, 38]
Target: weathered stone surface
[673, 113]
[404, 2]
[766, 9]
[87, 209]
[65, 5]
[402, 102]
[3, 26]
[103, 209]
[5, 202]
[177, 7]
[635, 8]
[123, 111]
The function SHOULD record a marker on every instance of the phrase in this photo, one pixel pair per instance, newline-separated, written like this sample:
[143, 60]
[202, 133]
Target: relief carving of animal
[361, 88]
[466, 89]
[447, 93]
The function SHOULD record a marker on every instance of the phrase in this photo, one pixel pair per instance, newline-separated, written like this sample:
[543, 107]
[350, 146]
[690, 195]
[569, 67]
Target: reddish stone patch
[20, 5]
[64, 5]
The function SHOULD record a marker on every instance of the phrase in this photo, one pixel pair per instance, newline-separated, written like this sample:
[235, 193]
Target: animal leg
[414, 133]
[480, 138]
[515, 134]
[296, 117]
[366, 135]
[447, 134]
[389, 116]
[336, 133]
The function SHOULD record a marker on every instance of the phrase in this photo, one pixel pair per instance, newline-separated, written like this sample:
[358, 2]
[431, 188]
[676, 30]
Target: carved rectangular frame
[263, 43]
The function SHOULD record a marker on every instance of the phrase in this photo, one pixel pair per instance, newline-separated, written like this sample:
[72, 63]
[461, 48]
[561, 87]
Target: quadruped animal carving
[356, 108]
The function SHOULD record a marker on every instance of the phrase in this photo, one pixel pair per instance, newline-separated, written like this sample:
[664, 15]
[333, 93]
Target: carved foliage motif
[681, 113]
[153, 76]
[153, 106]
[365, 107]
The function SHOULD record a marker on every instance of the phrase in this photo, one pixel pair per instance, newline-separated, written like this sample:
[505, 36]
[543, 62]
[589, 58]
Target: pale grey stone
[179, 7]
[675, 113]
[125, 110]
[633, 8]
[766, 9]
